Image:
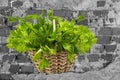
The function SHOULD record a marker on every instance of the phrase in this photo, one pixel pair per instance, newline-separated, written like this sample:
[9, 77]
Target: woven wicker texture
[58, 63]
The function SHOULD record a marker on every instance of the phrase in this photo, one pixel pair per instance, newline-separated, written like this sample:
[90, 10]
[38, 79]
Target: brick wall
[102, 17]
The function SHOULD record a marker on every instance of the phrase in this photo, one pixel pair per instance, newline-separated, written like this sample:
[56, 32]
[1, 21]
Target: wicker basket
[58, 63]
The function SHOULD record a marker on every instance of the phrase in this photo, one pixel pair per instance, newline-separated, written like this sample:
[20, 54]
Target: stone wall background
[102, 17]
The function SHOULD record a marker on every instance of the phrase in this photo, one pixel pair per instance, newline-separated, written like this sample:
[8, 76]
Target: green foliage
[39, 36]
[70, 56]
[37, 55]
[43, 63]
[12, 19]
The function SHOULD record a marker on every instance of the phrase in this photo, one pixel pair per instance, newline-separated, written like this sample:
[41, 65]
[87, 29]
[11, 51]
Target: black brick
[101, 3]
[60, 13]
[17, 4]
[34, 11]
[21, 58]
[14, 68]
[6, 77]
[10, 26]
[81, 57]
[105, 31]
[104, 39]
[115, 0]
[34, 5]
[100, 12]
[106, 64]
[111, 20]
[85, 69]
[2, 11]
[1, 62]
[104, 22]
[5, 58]
[8, 58]
[110, 48]
[107, 57]
[27, 69]
[116, 31]
[68, 13]
[84, 22]
[83, 12]
[91, 21]
[93, 57]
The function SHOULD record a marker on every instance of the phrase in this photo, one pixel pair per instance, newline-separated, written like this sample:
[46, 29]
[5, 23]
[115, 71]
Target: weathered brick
[6, 11]
[81, 57]
[31, 77]
[116, 39]
[1, 20]
[94, 30]
[93, 57]
[116, 31]
[3, 40]
[110, 48]
[104, 39]
[116, 76]
[52, 78]
[107, 57]
[6, 77]
[7, 32]
[3, 3]
[41, 77]
[101, 3]
[105, 31]
[8, 58]
[17, 4]
[27, 69]
[2, 33]
[20, 58]
[9, 2]
[100, 12]
[3, 48]
[14, 68]
[20, 77]
[97, 48]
